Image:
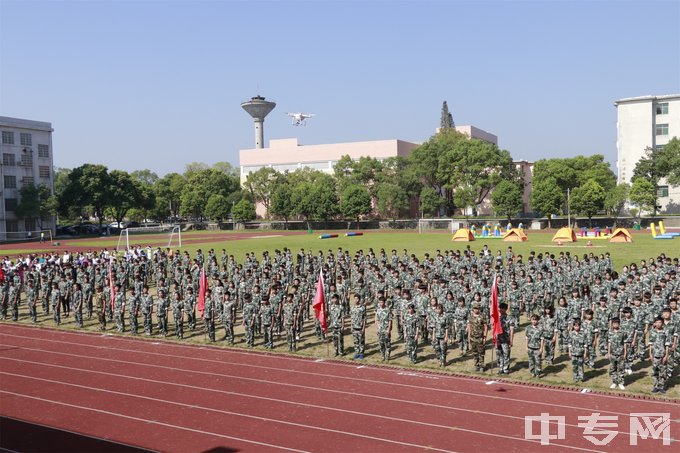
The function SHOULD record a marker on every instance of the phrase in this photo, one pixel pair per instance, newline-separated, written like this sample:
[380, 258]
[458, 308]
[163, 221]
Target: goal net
[27, 236]
[435, 225]
[154, 236]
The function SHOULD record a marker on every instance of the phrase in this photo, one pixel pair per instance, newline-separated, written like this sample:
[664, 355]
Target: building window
[10, 182]
[8, 159]
[658, 147]
[662, 191]
[43, 151]
[662, 108]
[29, 225]
[10, 204]
[662, 129]
[7, 138]
[27, 181]
[27, 160]
[44, 171]
[11, 226]
[26, 139]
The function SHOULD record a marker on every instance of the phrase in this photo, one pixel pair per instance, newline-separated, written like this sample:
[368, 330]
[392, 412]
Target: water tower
[258, 108]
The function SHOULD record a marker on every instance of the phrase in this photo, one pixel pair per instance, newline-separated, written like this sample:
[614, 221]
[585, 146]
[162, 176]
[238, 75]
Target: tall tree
[145, 176]
[125, 194]
[546, 197]
[355, 201]
[36, 203]
[507, 199]
[669, 161]
[649, 167]
[430, 201]
[88, 186]
[615, 200]
[243, 211]
[168, 192]
[446, 121]
[261, 184]
[217, 207]
[643, 195]
[588, 199]
[392, 199]
[281, 202]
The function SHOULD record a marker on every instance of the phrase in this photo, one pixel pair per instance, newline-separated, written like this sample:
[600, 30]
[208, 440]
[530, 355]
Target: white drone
[298, 119]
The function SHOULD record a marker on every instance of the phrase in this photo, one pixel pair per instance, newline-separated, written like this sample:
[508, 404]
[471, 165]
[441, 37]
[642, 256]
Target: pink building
[288, 154]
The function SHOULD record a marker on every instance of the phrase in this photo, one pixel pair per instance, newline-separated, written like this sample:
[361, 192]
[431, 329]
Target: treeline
[449, 174]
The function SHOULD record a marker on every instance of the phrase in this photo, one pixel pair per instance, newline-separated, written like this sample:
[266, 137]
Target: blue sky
[158, 84]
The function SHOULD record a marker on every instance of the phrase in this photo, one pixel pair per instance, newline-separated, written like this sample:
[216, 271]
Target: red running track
[166, 396]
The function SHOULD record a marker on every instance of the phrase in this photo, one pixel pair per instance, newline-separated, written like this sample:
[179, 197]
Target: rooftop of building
[663, 97]
[6, 121]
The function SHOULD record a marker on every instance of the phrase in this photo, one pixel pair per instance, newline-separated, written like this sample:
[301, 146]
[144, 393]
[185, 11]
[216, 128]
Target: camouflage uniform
[178, 316]
[549, 329]
[358, 315]
[147, 309]
[290, 313]
[249, 314]
[616, 340]
[659, 344]
[411, 324]
[503, 343]
[460, 318]
[228, 315]
[336, 314]
[477, 325]
[534, 339]
[267, 322]
[439, 323]
[588, 331]
[118, 306]
[562, 326]
[383, 318]
[577, 349]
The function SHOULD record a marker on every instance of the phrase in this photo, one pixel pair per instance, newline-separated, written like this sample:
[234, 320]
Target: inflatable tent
[515, 235]
[564, 234]
[621, 235]
[463, 235]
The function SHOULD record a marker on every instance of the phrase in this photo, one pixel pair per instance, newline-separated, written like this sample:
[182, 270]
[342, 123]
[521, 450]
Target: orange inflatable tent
[621, 235]
[565, 234]
[515, 235]
[463, 235]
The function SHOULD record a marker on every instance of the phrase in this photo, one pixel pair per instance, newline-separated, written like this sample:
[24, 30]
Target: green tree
[88, 187]
[573, 172]
[281, 202]
[125, 194]
[669, 161]
[430, 201]
[36, 203]
[615, 199]
[261, 184]
[243, 211]
[643, 195]
[168, 192]
[465, 199]
[218, 207]
[546, 197]
[200, 185]
[313, 194]
[588, 199]
[507, 199]
[650, 167]
[226, 168]
[355, 201]
[446, 120]
[392, 199]
[146, 177]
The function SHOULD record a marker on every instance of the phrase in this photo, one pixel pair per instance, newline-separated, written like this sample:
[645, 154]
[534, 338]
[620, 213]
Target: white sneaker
[629, 371]
[613, 386]
[622, 387]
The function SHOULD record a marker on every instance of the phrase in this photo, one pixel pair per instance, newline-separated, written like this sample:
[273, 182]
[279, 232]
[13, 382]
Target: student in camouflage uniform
[589, 331]
[628, 328]
[616, 351]
[383, 324]
[535, 346]
[119, 308]
[358, 319]
[228, 316]
[134, 303]
[602, 315]
[178, 315]
[659, 346]
[14, 296]
[562, 324]
[31, 301]
[290, 318]
[190, 306]
[99, 306]
[504, 340]
[337, 323]
[162, 313]
[56, 304]
[549, 329]
[77, 304]
[440, 334]
[411, 331]
[267, 322]
[146, 301]
[639, 346]
[460, 318]
[577, 350]
[477, 329]
[250, 313]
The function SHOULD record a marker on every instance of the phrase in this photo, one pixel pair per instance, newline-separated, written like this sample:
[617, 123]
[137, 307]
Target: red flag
[202, 285]
[496, 328]
[112, 286]
[2, 275]
[319, 304]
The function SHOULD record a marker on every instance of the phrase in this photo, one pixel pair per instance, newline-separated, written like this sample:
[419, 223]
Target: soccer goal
[430, 225]
[152, 235]
[28, 236]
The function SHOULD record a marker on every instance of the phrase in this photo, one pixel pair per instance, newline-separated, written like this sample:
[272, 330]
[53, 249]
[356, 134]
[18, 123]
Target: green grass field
[238, 243]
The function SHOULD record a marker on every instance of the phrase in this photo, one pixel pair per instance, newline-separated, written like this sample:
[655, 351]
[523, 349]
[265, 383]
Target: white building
[27, 159]
[646, 122]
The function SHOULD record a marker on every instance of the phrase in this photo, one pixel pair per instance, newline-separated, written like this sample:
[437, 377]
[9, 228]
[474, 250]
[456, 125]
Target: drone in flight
[298, 119]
